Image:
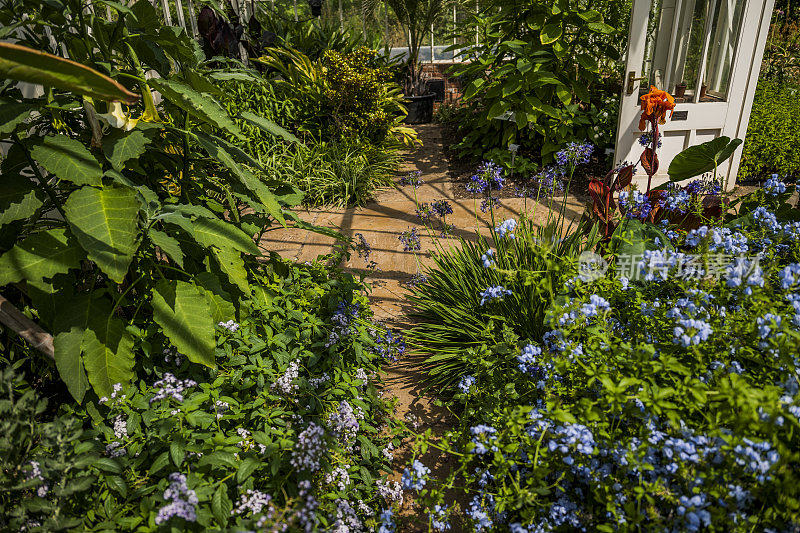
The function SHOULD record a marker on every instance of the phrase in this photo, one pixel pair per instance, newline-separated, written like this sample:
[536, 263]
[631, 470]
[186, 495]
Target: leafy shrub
[772, 132]
[288, 429]
[669, 400]
[532, 76]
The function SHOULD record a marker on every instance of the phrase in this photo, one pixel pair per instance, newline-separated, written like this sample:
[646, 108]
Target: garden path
[380, 222]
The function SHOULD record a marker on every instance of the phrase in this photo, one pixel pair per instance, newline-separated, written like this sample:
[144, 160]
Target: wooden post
[192, 18]
[26, 328]
[179, 12]
[167, 14]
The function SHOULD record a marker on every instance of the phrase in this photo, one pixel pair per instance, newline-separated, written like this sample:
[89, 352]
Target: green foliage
[667, 399]
[230, 429]
[772, 132]
[131, 216]
[702, 158]
[534, 75]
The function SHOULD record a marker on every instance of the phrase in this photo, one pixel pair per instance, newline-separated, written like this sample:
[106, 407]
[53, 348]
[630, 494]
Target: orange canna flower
[655, 105]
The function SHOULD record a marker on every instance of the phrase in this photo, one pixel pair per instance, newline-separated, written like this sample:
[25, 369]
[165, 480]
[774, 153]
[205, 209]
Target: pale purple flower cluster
[310, 448]
[286, 383]
[36, 473]
[172, 387]
[182, 501]
[252, 502]
[343, 422]
[342, 319]
[230, 325]
[390, 491]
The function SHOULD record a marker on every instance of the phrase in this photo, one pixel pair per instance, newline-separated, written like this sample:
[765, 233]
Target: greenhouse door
[706, 53]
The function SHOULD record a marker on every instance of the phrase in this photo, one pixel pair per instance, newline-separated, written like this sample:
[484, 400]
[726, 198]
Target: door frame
[730, 118]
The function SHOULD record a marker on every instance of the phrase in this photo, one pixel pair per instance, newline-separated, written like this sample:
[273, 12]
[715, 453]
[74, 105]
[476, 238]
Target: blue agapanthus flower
[506, 228]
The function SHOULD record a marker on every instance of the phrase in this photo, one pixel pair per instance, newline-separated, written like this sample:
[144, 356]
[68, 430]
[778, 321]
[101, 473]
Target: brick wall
[452, 87]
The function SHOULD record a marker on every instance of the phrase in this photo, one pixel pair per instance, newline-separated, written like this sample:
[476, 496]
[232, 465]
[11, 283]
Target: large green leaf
[248, 179]
[183, 313]
[25, 64]
[214, 232]
[42, 255]
[122, 146]
[230, 261]
[219, 301]
[197, 104]
[105, 222]
[68, 159]
[67, 347]
[632, 238]
[107, 352]
[13, 114]
[268, 126]
[18, 198]
[697, 160]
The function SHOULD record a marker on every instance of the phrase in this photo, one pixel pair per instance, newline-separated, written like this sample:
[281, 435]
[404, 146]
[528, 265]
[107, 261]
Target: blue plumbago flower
[676, 199]
[575, 154]
[767, 219]
[442, 208]
[789, 275]
[690, 332]
[768, 323]
[309, 449]
[438, 518]
[744, 272]
[693, 512]
[482, 435]
[487, 258]
[182, 501]
[694, 187]
[466, 384]
[493, 293]
[410, 240]
[646, 140]
[412, 178]
[595, 305]
[506, 228]
[387, 522]
[636, 207]
[424, 212]
[415, 478]
[774, 186]
[725, 240]
[480, 516]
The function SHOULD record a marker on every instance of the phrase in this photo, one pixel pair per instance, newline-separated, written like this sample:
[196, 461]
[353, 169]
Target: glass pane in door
[721, 49]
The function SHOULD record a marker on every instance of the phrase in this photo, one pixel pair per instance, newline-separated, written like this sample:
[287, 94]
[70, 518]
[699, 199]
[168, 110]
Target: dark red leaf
[649, 161]
[624, 177]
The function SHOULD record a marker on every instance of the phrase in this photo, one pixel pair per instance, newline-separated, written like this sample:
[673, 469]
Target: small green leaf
[221, 505]
[12, 115]
[247, 467]
[177, 451]
[184, 315]
[600, 27]
[68, 159]
[26, 64]
[268, 126]
[551, 33]
[168, 245]
[122, 146]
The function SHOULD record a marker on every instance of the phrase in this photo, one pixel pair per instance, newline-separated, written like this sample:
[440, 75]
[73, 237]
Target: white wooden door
[706, 53]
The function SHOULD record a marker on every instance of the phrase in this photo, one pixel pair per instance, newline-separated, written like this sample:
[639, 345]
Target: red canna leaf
[649, 161]
[624, 178]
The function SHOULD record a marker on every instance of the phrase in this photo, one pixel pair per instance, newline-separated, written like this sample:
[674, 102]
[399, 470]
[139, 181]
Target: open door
[707, 54]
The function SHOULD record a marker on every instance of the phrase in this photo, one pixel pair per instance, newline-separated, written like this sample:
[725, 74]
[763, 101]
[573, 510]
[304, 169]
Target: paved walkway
[381, 222]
